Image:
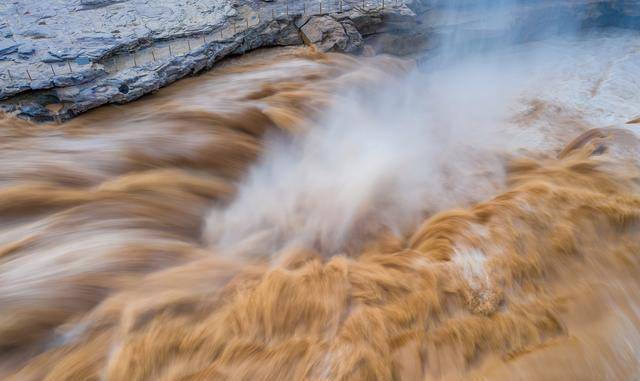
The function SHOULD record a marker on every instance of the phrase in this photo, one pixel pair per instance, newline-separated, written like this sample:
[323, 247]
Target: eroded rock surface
[74, 55]
[328, 34]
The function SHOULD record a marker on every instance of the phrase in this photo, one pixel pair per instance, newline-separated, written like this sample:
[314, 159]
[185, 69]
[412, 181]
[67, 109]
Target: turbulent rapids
[296, 215]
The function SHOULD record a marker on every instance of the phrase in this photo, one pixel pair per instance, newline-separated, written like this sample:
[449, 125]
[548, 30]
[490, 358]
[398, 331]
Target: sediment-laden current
[294, 215]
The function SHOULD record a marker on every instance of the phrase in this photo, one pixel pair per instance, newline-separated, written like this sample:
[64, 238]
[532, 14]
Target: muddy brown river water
[294, 215]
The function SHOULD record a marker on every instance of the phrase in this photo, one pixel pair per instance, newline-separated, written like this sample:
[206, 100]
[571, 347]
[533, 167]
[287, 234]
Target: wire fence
[161, 51]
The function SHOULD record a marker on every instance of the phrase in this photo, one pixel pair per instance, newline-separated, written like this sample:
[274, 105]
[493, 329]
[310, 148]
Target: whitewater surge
[294, 215]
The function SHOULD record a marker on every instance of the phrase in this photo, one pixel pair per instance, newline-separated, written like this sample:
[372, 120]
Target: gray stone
[8, 47]
[4, 30]
[26, 50]
[328, 34]
[33, 110]
[51, 58]
[98, 3]
[34, 32]
[62, 31]
[40, 84]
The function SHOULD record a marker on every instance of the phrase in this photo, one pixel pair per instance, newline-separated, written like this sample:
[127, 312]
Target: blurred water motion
[294, 215]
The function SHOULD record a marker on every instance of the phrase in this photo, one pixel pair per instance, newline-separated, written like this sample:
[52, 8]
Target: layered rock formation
[67, 57]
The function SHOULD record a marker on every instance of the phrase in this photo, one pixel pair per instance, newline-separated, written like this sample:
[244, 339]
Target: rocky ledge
[64, 57]
[68, 56]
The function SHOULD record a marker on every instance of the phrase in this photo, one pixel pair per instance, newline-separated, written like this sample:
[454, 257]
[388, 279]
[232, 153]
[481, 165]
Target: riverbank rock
[328, 34]
[81, 54]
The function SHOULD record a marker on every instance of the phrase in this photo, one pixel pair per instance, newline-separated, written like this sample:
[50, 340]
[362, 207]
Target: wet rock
[328, 34]
[34, 110]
